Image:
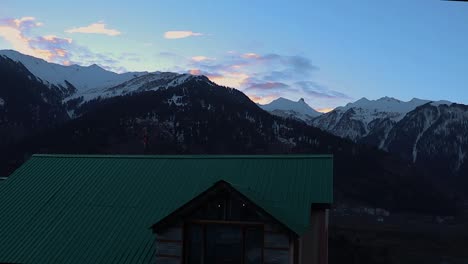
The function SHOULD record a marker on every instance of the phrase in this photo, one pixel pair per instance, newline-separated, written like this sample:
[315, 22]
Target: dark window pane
[276, 256]
[223, 244]
[276, 240]
[195, 244]
[253, 246]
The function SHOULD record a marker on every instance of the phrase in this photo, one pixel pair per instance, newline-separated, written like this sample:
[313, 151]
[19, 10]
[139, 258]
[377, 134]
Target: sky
[327, 52]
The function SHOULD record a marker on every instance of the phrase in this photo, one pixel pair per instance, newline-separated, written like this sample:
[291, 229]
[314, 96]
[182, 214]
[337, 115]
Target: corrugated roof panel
[98, 209]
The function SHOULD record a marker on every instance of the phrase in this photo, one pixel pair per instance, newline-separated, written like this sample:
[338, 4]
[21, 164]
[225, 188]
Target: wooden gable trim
[218, 187]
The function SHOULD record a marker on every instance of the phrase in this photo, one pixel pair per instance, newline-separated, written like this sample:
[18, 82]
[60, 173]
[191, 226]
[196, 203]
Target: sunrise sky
[328, 52]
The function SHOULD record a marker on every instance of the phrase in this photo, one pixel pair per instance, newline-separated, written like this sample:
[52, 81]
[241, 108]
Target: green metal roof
[99, 209]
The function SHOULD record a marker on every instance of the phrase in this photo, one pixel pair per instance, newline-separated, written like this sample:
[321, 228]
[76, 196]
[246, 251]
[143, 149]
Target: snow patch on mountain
[428, 121]
[148, 82]
[363, 117]
[82, 78]
[288, 108]
[177, 100]
[369, 110]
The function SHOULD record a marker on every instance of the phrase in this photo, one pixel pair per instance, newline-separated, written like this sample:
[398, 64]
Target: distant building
[167, 209]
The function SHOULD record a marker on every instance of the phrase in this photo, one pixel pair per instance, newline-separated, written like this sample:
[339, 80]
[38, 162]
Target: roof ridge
[203, 156]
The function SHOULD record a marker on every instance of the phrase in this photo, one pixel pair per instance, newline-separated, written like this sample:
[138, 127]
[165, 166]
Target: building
[167, 209]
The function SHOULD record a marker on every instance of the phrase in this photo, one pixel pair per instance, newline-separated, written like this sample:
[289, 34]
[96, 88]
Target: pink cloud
[262, 99]
[251, 56]
[195, 72]
[49, 48]
[201, 58]
[229, 79]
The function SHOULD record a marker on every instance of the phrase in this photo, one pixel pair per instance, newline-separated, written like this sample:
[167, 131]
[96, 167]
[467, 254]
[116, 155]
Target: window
[224, 244]
[253, 251]
[195, 244]
[228, 230]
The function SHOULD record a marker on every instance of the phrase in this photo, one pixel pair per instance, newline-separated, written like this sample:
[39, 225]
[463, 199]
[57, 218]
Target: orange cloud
[61, 52]
[11, 31]
[229, 79]
[195, 72]
[95, 28]
[262, 99]
[181, 34]
[325, 110]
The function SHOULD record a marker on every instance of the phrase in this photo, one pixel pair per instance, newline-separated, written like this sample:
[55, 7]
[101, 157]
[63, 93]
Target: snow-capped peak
[299, 109]
[384, 104]
[356, 120]
[147, 82]
[389, 105]
[81, 77]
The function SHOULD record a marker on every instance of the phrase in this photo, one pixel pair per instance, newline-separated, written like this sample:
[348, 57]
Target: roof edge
[214, 156]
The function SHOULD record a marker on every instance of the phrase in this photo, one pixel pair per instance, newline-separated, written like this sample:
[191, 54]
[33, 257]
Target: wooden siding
[277, 247]
[169, 245]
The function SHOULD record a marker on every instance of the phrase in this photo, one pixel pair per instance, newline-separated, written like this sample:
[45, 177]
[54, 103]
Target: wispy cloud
[267, 86]
[320, 91]
[95, 28]
[181, 34]
[264, 77]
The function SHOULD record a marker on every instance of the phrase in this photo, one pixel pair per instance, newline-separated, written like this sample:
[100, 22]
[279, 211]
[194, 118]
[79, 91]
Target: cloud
[262, 99]
[26, 22]
[201, 58]
[325, 109]
[320, 91]
[245, 71]
[195, 72]
[84, 56]
[229, 79]
[264, 77]
[50, 48]
[181, 34]
[95, 28]
[251, 56]
[268, 86]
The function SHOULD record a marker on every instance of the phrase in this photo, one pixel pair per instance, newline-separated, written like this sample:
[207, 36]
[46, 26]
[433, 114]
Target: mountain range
[429, 133]
[397, 155]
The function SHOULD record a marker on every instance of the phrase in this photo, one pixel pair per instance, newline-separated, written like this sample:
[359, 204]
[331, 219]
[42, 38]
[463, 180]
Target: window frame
[206, 223]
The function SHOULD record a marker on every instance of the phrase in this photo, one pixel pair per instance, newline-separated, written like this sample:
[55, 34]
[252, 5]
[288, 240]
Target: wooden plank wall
[277, 247]
[169, 246]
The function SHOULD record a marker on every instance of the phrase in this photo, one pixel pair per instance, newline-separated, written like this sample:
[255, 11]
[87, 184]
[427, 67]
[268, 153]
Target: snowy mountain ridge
[369, 110]
[81, 77]
[147, 82]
